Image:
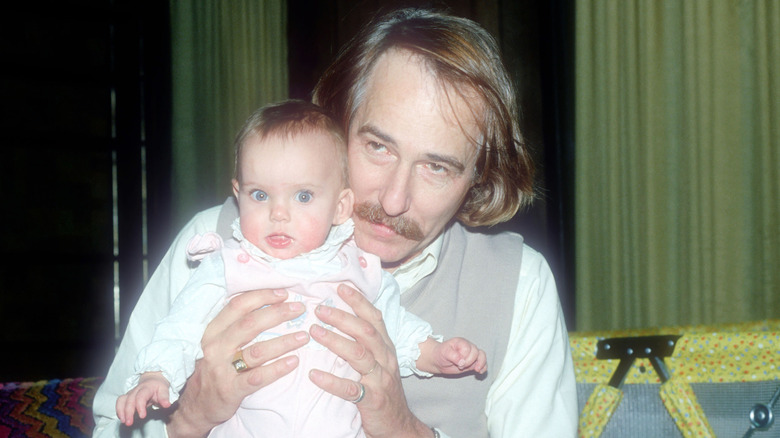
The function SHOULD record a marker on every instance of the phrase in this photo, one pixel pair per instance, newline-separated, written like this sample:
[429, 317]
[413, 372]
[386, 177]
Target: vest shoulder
[496, 240]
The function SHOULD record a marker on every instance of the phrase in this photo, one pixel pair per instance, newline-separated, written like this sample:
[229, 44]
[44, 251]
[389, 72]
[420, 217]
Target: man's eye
[304, 196]
[438, 169]
[259, 195]
[376, 147]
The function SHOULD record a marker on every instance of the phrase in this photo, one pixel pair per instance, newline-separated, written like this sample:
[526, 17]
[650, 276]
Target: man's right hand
[215, 390]
[371, 352]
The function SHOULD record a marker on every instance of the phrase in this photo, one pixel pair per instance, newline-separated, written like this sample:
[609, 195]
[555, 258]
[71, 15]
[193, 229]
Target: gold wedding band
[238, 362]
[376, 364]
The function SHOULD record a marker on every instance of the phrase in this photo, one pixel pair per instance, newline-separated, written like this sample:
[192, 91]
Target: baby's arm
[414, 338]
[152, 389]
[453, 356]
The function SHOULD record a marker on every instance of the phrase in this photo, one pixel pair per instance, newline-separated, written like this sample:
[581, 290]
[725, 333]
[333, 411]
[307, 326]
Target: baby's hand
[457, 356]
[152, 389]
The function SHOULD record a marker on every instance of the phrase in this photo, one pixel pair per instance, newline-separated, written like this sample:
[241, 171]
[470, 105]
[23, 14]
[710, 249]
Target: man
[433, 144]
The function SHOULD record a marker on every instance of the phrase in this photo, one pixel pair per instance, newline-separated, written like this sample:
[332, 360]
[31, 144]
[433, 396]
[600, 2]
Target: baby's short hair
[290, 118]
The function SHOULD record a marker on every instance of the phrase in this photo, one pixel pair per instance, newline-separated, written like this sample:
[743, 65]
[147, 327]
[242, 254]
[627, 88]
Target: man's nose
[396, 196]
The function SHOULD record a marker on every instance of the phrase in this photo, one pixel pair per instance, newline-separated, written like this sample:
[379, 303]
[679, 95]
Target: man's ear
[344, 207]
[236, 186]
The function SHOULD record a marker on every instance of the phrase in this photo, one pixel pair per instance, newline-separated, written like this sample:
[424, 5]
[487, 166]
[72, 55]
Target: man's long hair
[465, 59]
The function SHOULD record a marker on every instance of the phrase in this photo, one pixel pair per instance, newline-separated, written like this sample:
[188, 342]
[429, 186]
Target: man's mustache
[402, 225]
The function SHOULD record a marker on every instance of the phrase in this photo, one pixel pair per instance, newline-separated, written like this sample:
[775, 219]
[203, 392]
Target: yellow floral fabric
[732, 353]
[682, 405]
[703, 354]
[598, 410]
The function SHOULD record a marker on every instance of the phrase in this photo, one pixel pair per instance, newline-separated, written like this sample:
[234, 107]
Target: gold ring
[376, 364]
[238, 362]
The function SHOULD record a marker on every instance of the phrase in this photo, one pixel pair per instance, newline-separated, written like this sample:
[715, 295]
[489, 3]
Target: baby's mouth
[279, 241]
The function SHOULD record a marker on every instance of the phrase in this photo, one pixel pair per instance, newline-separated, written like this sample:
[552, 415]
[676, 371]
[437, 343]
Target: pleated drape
[677, 162]
[228, 58]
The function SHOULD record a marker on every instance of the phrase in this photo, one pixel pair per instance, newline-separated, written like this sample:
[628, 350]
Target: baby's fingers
[121, 407]
[475, 360]
[465, 353]
[480, 366]
[472, 357]
[145, 395]
[453, 355]
[161, 399]
[128, 410]
[140, 406]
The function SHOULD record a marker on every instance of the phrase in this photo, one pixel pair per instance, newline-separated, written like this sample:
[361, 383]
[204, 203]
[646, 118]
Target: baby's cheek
[251, 230]
[314, 233]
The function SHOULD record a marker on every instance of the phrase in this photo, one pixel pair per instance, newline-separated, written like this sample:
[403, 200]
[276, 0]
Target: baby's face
[291, 192]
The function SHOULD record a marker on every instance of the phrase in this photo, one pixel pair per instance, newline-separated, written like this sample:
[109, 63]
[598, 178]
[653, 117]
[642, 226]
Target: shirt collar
[411, 272]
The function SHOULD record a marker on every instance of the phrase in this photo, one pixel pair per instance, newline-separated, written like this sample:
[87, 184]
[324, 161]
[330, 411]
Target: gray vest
[470, 294]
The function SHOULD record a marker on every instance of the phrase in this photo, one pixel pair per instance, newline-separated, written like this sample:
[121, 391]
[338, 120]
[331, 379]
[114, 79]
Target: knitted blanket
[53, 408]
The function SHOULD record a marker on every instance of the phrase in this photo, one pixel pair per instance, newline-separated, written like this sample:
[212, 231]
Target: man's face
[411, 161]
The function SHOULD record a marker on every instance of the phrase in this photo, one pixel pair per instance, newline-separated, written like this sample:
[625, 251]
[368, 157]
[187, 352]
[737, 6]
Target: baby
[294, 232]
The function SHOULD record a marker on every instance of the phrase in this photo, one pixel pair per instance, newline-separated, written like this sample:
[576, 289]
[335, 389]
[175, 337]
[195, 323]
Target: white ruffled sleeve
[165, 284]
[405, 329]
[176, 343]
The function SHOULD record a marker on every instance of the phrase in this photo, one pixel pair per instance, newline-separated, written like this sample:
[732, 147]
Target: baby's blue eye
[304, 196]
[259, 195]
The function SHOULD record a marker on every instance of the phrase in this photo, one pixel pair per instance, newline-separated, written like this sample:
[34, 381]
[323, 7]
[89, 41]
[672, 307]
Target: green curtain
[228, 58]
[677, 162]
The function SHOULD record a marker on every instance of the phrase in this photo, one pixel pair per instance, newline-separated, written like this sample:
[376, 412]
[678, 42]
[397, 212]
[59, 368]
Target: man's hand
[215, 390]
[383, 409]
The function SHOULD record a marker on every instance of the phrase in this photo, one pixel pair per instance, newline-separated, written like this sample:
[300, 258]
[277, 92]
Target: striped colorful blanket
[49, 408]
